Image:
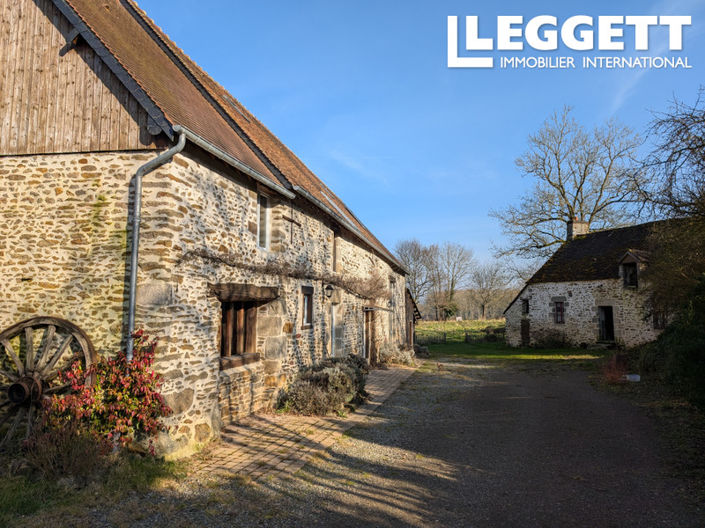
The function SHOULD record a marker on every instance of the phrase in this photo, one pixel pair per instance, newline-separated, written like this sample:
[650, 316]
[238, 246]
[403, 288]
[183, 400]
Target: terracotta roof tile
[188, 96]
[160, 78]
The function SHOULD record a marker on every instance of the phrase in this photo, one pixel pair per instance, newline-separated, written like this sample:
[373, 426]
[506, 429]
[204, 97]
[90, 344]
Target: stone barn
[590, 292]
[247, 266]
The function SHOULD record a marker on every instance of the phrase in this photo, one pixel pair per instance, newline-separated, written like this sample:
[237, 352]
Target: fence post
[467, 337]
[444, 338]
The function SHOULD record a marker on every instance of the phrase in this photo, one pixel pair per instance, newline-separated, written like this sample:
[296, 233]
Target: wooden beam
[228, 330]
[237, 292]
[251, 330]
[240, 331]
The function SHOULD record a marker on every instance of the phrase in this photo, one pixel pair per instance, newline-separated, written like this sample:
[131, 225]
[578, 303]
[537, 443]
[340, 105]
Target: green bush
[680, 349]
[327, 386]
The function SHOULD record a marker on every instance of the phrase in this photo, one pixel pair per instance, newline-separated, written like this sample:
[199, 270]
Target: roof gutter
[346, 223]
[152, 164]
[232, 161]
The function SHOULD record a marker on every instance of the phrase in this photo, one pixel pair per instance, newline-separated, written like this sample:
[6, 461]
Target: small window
[660, 320]
[263, 221]
[238, 328]
[559, 312]
[630, 275]
[525, 306]
[335, 252]
[307, 292]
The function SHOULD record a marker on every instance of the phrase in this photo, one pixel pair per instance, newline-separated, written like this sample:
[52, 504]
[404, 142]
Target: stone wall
[63, 240]
[63, 252]
[632, 324]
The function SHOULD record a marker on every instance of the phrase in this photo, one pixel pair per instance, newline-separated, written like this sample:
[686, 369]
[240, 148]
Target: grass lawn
[500, 351]
[23, 494]
[502, 355]
[456, 347]
[455, 330]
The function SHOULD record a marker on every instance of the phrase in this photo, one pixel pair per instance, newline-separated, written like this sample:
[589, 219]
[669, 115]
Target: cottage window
[263, 232]
[525, 306]
[307, 292]
[630, 275]
[238, 329]
[559, 312]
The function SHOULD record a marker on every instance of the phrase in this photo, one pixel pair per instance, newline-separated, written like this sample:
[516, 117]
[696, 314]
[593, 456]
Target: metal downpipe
[152, 164]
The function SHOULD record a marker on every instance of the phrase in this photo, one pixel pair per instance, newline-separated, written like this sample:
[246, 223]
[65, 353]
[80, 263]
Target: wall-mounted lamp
[328, 290]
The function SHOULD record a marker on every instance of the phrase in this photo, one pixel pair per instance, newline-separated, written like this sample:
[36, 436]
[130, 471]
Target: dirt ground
[462, 443]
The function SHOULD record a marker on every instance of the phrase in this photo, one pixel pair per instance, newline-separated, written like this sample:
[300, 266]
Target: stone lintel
[234, 292]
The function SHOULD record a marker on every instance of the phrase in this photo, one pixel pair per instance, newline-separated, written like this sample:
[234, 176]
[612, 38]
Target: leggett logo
[578, 33]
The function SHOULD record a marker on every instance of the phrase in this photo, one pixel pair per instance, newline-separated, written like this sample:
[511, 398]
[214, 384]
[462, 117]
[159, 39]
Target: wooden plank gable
[57, 98]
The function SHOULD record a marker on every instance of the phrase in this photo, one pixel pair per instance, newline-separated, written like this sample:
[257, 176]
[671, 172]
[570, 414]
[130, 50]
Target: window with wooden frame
[307, 303]
[238, 333]
[559, 312]
[263, 227]
[631, 275]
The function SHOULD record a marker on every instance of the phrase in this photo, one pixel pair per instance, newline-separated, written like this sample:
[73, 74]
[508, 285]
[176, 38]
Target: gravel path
[469, 444]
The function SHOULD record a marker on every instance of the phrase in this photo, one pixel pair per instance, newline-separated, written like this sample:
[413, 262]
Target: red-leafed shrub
[614, 369]
[123, 404]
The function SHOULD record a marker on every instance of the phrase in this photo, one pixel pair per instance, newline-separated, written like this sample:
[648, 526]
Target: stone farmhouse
[248, 266]
[590, 292]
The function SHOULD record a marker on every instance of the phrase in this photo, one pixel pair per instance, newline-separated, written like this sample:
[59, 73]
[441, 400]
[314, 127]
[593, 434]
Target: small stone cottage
[247, 266]
[590, 292]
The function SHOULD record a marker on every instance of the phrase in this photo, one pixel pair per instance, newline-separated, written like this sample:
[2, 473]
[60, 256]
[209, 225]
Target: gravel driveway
[460, 444]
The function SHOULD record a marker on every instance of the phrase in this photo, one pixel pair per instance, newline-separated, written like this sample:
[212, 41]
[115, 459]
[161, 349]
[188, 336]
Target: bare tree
[676, 188]
[676, 166]
[450, 268]
[588, 176]
[489, 281]
[416, 259]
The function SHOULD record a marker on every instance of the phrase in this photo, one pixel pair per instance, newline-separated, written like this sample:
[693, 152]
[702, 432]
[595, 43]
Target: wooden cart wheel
[32, 353]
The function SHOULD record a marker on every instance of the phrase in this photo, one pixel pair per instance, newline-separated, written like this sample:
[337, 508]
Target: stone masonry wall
[63, 240]
[63, 252]
[632, 326]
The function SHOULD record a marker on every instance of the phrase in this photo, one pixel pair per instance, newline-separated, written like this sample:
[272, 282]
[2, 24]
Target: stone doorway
[606, 323]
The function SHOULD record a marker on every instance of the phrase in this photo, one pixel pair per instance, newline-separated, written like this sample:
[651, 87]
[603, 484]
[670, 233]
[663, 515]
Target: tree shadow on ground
[456, 445]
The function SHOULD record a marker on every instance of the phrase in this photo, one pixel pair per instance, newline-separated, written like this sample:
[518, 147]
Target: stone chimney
[576, 228]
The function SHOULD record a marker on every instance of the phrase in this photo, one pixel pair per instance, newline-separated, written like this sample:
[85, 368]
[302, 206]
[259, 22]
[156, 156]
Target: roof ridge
[195, 71]
[631, 226]
[237, 128]
[173, 53]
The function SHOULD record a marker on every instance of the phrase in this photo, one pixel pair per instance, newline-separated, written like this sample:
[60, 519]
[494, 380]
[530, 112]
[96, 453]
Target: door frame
[605, 323]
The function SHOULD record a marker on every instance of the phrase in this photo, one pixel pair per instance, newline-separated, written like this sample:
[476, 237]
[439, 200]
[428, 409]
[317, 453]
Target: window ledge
[239, 361]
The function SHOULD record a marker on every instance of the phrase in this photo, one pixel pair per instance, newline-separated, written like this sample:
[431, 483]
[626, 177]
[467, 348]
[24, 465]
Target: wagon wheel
[32, 353]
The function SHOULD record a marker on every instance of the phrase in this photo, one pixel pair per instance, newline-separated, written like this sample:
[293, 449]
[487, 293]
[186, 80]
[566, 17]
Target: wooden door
[370, 350]
[606, 318]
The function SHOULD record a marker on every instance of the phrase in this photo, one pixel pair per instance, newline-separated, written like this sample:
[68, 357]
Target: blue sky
[360, 91]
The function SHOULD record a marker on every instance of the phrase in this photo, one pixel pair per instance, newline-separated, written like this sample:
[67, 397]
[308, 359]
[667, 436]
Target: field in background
[431, 332]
